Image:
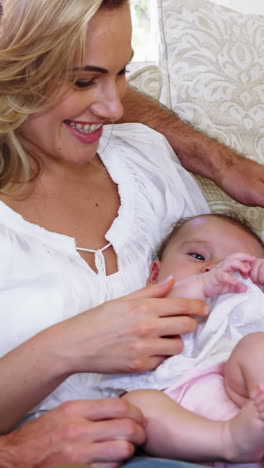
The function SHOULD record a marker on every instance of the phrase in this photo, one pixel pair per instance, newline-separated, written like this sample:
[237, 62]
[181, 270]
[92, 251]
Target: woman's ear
[154, 272]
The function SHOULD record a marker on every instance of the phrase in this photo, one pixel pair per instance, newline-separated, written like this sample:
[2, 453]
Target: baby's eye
[197, 256]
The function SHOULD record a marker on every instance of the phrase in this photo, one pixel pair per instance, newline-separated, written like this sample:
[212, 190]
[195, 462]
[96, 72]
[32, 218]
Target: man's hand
[242, 179]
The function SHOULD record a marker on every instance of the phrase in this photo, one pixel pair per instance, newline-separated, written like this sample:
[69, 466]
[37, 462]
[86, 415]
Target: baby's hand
[220, 279]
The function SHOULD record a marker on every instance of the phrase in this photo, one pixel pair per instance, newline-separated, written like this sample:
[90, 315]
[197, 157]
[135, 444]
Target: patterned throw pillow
[212, 63]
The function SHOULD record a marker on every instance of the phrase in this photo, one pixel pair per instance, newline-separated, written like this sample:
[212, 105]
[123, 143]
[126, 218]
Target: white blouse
[44, 280]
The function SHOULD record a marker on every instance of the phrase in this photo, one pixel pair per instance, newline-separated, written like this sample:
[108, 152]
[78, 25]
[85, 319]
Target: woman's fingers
[164, 348]
[154, 290]
[114, 429]
[180, 306]
[99, 465]
[180, 325]
[169, 307]
[96, 410]
[96, 431]
[153, 353]
[68, 434]
[110, 452]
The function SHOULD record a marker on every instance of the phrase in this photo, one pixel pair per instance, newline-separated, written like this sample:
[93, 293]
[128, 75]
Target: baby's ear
[154, 272]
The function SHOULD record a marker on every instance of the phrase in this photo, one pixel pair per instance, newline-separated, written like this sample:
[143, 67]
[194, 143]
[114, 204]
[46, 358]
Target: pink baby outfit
[204, 393]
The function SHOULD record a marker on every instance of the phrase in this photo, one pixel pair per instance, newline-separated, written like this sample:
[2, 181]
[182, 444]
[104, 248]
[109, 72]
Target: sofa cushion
[212, 63]
[147, 79]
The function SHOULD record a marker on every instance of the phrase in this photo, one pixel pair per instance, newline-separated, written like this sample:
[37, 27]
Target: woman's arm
[129, 334]
[241, 178]
[28, 374]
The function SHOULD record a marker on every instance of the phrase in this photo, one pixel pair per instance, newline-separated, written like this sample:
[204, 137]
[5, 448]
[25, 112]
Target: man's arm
[239, 177]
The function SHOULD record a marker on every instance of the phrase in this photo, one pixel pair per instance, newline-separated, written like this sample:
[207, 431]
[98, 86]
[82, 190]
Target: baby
[211, 255]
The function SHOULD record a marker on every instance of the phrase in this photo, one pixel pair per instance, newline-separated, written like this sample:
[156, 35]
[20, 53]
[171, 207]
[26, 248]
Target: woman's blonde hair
[40, 42]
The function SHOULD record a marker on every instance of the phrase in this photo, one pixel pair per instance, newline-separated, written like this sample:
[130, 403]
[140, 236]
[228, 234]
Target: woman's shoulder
[134, 132]
[140, 145]
[134, 128]
[131, 127]
[19, 237]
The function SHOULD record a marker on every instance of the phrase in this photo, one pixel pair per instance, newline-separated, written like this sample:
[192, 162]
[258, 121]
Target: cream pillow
[212, 63]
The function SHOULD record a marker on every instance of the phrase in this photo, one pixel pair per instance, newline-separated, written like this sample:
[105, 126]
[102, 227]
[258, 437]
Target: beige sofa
[211, 72]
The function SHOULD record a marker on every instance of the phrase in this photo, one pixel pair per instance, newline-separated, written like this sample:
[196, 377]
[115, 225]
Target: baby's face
[203, 242]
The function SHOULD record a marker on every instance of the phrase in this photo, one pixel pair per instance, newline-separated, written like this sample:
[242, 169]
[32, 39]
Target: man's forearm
[239, 177]
[196, 151]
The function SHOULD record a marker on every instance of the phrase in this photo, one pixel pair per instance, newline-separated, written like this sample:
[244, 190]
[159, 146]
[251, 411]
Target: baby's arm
[219, 280]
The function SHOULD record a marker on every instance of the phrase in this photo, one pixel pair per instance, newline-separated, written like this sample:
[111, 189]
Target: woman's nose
[108, 105]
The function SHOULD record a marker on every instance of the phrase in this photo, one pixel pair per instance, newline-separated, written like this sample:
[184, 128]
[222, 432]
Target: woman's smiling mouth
[84, 132]
[83, 127]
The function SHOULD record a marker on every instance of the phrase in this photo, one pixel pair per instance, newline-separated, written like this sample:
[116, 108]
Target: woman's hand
[131, 334]
[99, 431]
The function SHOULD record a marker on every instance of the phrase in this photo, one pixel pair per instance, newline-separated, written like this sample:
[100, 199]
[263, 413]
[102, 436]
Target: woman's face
[69, 132]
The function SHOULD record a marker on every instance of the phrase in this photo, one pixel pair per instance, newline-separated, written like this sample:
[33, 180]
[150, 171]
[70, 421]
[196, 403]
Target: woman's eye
[87, 83]
[83, 84]
[197, 256]
[124, 71]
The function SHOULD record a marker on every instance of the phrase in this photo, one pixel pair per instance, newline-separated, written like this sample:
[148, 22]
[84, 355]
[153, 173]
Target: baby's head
[197, 244]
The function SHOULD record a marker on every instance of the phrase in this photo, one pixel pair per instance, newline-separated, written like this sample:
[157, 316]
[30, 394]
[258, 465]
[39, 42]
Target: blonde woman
[83, 207]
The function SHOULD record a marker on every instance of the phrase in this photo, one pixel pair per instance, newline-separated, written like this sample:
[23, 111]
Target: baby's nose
[207, 267]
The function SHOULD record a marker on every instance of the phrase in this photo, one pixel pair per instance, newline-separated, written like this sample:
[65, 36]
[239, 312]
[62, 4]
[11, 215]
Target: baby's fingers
[257, 272]
[231, 284]
[240, 287]
[242, 266]
[245, 269]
